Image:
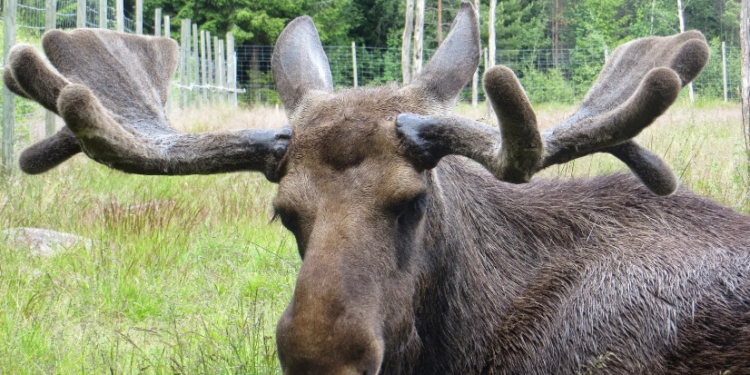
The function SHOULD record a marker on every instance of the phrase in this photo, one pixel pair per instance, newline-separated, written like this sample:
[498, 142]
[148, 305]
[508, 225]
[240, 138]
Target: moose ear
[454, 63]
[299, 64]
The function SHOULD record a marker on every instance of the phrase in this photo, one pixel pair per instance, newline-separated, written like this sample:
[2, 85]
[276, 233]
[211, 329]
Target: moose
[426, 246]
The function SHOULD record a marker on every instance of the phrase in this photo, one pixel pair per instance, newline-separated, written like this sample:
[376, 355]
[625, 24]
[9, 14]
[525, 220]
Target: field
[188, 274]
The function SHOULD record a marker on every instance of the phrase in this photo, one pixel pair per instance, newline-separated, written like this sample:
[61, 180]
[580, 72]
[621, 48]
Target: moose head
[371, 178]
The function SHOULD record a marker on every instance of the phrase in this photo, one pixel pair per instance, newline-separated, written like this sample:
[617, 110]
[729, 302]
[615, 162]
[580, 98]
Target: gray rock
[42, 242]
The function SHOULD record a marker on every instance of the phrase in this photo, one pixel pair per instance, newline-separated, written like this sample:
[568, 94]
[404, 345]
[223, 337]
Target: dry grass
[189, 275]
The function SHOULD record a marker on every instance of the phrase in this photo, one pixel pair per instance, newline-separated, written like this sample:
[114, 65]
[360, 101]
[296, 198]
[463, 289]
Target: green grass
[187, 274]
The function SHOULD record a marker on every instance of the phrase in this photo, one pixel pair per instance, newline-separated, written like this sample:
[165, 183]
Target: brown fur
[410, 269]
[411, 266]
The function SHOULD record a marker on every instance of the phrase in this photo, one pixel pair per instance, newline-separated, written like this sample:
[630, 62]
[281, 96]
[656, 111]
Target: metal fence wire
[562, 76]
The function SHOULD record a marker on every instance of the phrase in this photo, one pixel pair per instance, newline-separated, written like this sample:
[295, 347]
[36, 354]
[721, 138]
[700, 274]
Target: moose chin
[426, 246]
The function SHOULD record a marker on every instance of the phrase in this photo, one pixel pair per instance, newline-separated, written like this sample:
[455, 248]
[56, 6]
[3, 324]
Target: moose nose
[313, 344]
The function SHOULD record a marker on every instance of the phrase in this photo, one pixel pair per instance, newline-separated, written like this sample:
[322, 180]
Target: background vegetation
[521, 24]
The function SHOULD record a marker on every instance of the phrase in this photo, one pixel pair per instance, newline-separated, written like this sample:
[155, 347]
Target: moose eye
[409, 208]
[289, 219]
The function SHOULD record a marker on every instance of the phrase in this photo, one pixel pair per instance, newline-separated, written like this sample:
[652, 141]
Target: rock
[42, 242]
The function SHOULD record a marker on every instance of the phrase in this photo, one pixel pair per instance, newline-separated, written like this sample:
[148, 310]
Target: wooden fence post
[81, 14]
[120, 9]
[724, 67]
[9, 113]
[222, 63]
[195, 65]
[103, 14]
[210, 68]
[354, 63]
[217, 69]
[184, 51]
[204, 68]
[49, 118]
[157, 22]
[231, 70]
[168, 34]
[139, 17]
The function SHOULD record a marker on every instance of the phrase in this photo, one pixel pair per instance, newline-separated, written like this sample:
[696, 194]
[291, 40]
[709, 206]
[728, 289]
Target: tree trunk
[556, 34]
[439, 22]
[406, 42]
[475, 79]
[745, 85]
[418, 36]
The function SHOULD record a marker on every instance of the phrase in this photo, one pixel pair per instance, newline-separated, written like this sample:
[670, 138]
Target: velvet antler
[639, 82]
[110, 88]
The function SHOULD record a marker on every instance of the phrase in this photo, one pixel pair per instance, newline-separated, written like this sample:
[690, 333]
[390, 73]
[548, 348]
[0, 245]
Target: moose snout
[330, 326]
[340, 345]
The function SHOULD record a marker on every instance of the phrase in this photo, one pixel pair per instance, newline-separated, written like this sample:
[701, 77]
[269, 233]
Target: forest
[520, 24]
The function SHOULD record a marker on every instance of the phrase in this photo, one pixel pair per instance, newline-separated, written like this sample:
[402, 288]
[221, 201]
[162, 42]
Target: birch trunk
[418, 36]
[406, 43]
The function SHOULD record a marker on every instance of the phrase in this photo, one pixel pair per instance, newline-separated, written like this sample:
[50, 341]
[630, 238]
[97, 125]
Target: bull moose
[426, 247]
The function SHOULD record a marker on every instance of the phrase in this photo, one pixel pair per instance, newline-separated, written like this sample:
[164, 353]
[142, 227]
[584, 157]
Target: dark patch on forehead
[344, 131]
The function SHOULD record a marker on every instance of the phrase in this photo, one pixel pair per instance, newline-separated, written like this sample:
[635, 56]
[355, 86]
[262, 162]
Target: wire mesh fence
[563, 75]
[25, 121]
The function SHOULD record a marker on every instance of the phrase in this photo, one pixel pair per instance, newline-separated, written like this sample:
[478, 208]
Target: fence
[205, 76]
[210, 73]
[548, 76]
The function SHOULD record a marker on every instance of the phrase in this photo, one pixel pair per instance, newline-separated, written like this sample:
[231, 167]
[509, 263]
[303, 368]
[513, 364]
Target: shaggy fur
[418, 261]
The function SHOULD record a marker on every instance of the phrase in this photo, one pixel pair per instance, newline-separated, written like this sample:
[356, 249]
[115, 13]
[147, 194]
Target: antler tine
[641, 80]
[512, 154]
[110, 88]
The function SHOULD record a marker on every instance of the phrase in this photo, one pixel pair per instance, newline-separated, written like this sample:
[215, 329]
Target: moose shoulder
[427, 248]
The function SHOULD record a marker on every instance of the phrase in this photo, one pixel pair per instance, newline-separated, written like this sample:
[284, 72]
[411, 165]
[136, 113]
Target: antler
[110, 88]
[639, 82]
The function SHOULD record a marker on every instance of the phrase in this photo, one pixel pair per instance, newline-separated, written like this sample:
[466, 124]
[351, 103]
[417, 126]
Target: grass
[188, 276]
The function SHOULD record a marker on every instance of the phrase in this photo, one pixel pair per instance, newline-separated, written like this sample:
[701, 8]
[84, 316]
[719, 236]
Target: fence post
[81, 14]
[120, 8]
[51, 11]
[217, 68]
[724, 67]
[168, 34]
[103, 14]
[210, 67]
[354, 63]
[49, 119]
[487, 103]
[222, 63]
[157, 22]
[204, 70]
[195, 65]
[9, 16]
[231, 70]
[139, 17]
[184, 70]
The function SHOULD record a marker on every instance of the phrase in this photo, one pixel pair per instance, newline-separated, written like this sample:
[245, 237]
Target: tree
[406, 42]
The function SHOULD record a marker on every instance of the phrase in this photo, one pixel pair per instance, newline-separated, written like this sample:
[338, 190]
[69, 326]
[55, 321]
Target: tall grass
[187, 274]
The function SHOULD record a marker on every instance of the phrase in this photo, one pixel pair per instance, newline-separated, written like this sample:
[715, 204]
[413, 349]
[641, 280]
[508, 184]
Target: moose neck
[483, 245]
